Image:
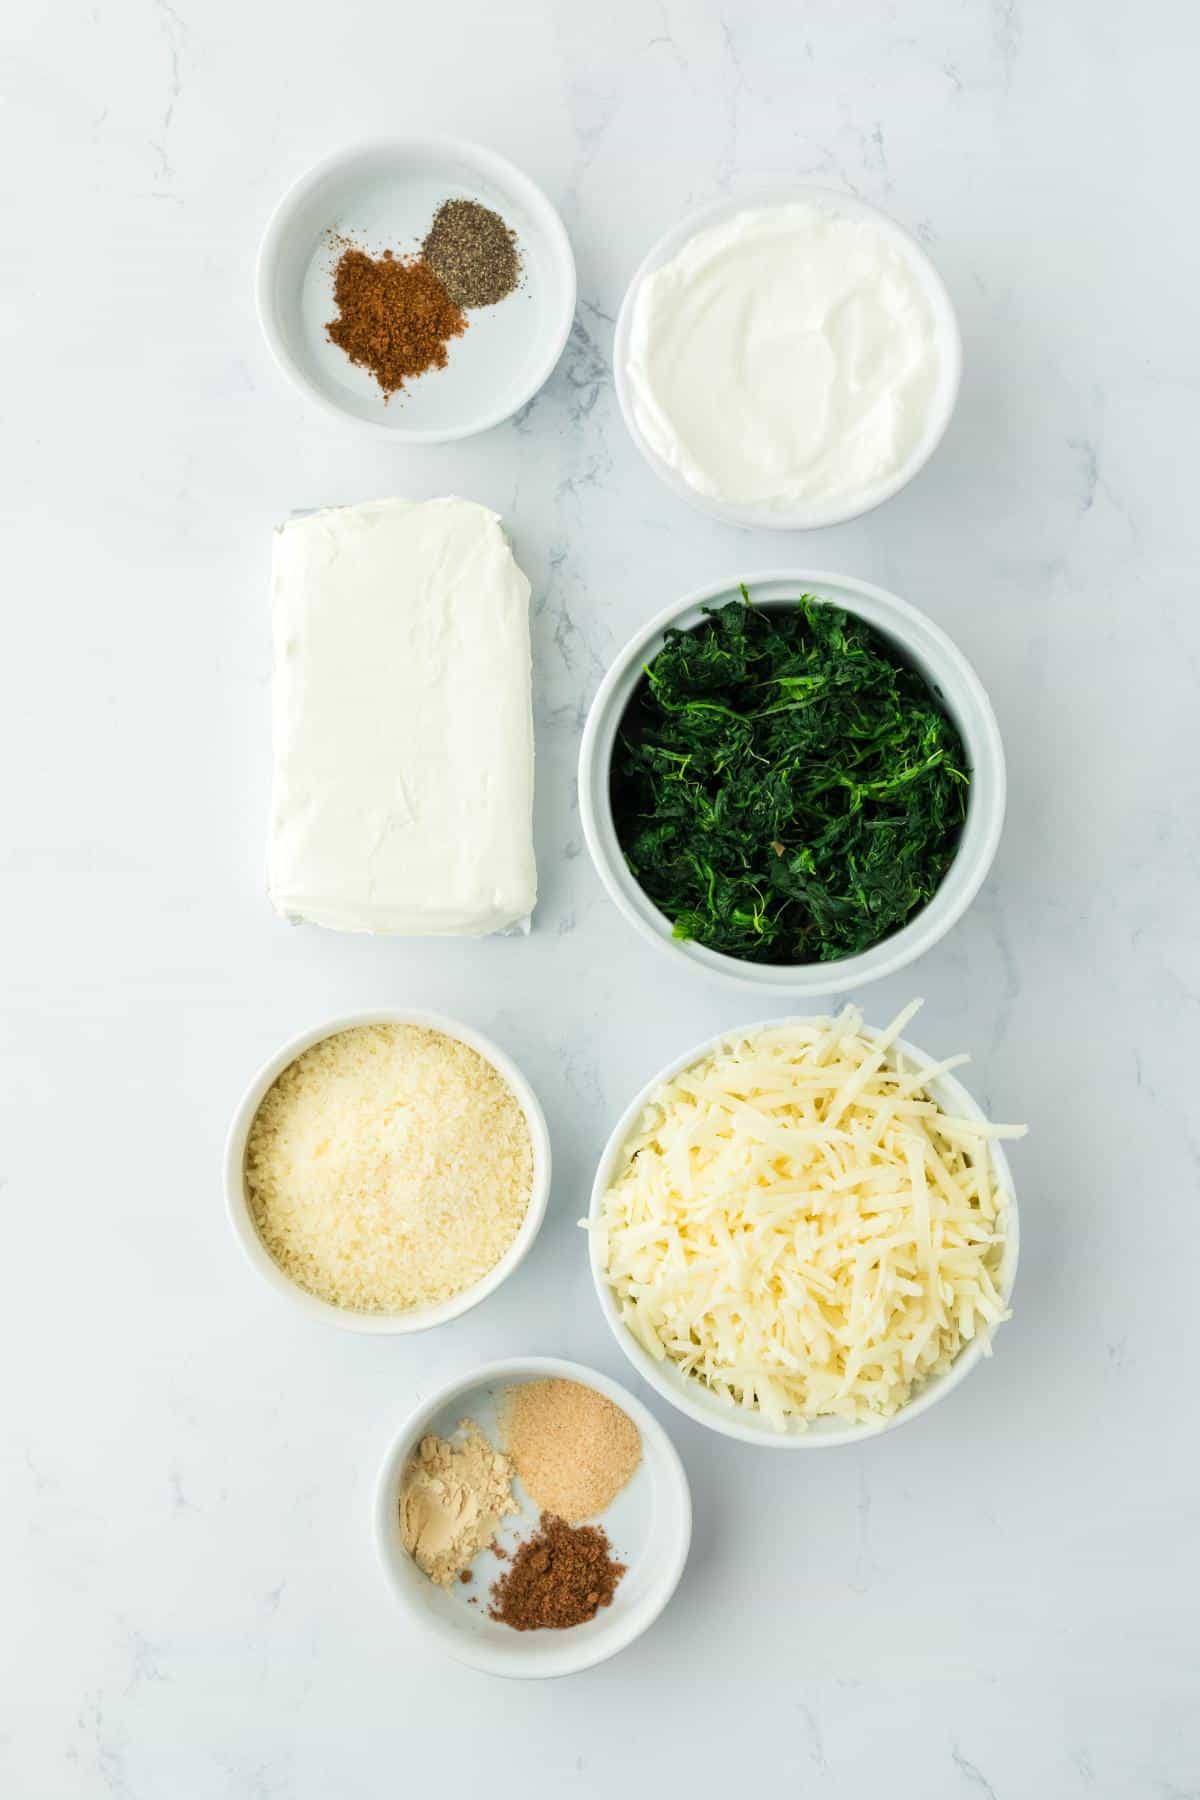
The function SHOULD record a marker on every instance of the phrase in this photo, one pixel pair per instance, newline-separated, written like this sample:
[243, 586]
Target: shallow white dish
[949, 337]
[690, 1395]
[952, 679]
[383, 194]
[418, 1318]
[649, 1525]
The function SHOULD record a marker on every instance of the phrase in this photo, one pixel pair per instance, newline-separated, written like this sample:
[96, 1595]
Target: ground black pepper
[473, 253]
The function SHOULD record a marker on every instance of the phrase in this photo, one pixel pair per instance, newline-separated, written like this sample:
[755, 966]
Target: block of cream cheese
[403, 793]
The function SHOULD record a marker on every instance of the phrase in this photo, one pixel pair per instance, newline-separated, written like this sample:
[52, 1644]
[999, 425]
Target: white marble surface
[997, 1601]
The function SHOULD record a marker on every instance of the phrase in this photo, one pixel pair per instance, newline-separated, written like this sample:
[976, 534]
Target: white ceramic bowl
[417, 1318]
[384, 194]
[953, 680]
[812, 517]
[649, 1525]
[689, 1394]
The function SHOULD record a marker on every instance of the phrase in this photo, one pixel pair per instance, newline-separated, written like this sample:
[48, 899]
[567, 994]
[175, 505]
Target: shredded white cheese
[797, 1223]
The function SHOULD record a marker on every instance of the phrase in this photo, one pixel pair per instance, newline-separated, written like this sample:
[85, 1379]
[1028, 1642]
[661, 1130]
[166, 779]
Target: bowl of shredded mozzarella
[805, 1231]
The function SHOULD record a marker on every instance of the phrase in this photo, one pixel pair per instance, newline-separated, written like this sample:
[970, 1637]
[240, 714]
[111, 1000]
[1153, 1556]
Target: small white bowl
[799, 518]
[417, 1318]
[383, 194]
[924, 645]
[691, 1395]
[649, 1526]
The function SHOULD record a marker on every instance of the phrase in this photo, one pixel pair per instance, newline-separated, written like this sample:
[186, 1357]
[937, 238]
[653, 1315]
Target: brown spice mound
[559, 1578]
[394, 316]
[574, 1449]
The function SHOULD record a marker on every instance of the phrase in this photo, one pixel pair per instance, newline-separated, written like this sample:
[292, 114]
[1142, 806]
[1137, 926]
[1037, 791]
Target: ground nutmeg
[395, 318]
[560, 1577]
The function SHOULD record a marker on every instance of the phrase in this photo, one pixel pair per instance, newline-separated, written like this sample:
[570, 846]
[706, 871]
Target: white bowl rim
[421, 1318]
[505, 173]
[558, 1657]
[724, 1417]
[981, 735]
[754, 518]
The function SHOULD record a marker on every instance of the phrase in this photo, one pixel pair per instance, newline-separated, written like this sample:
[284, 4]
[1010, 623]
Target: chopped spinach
[784, 787]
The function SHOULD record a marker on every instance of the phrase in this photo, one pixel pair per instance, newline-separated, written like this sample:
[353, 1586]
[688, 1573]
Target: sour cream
[790, 357]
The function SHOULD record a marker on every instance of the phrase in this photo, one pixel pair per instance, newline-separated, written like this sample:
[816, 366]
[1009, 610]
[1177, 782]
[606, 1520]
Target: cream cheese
[403, 789]
[788, 356]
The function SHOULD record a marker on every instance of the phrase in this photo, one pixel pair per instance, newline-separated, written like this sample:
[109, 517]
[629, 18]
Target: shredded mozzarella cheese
[797, 1223]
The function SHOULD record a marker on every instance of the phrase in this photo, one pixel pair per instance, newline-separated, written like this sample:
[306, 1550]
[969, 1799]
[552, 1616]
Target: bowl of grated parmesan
[386, 1171]
[805, 1231]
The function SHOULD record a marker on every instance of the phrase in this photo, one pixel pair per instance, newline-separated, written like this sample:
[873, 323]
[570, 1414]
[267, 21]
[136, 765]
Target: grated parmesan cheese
[389, 1166]
[798, 1224]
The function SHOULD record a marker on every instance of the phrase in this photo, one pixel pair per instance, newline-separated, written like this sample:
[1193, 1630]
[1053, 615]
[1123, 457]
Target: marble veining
[997, 1600]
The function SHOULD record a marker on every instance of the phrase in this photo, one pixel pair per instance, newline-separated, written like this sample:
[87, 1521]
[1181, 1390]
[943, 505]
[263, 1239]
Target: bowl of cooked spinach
[796, 782]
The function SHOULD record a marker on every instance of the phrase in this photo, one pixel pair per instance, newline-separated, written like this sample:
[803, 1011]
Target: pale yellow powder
[389, 1166]
[454, 1494]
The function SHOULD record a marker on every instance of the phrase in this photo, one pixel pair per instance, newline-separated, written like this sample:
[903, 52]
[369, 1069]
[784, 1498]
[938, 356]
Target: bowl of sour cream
[787, 362]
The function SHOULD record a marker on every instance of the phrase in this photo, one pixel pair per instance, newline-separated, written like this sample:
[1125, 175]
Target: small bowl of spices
[420, 287]
[533, 1518]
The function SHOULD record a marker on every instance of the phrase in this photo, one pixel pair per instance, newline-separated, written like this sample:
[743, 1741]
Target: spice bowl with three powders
[569, 1428]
